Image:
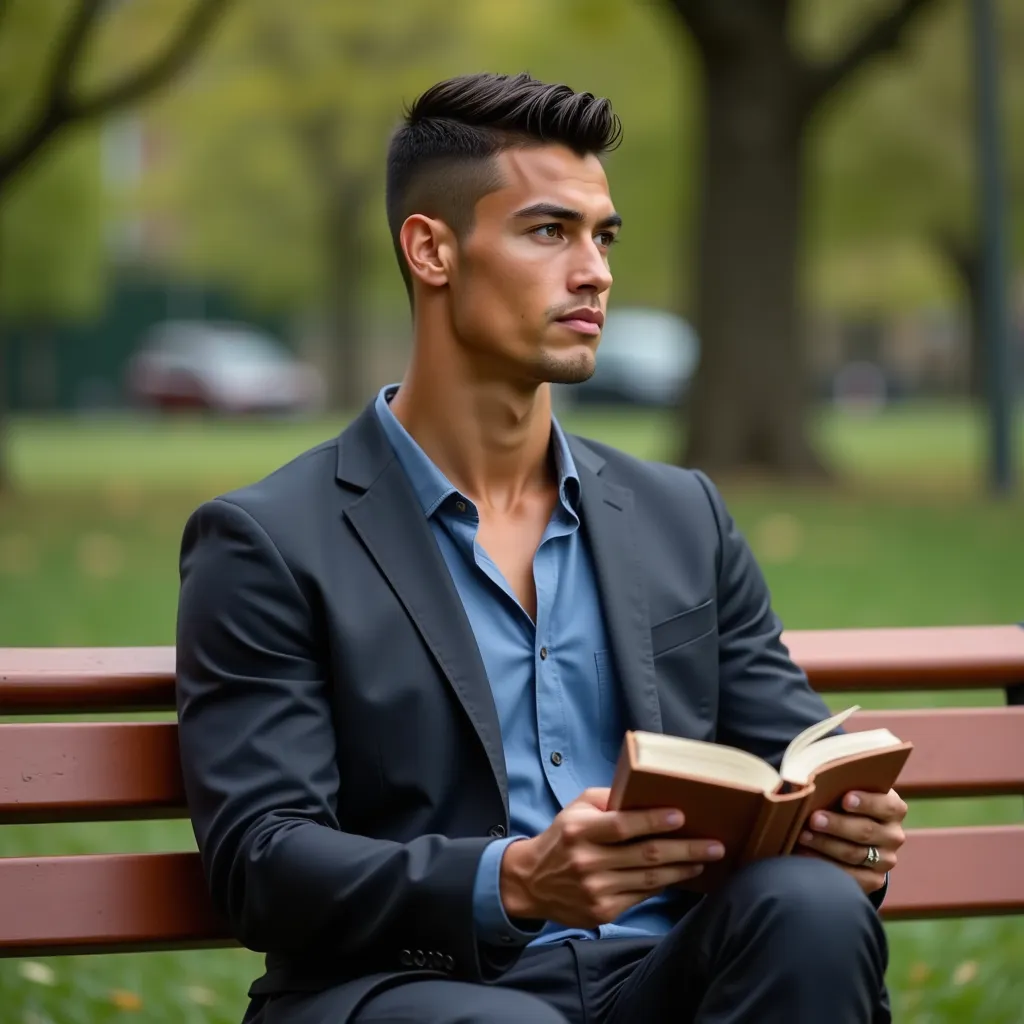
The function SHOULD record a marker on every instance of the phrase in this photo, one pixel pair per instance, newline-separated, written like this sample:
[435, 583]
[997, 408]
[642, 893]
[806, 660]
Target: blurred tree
[894, 210]
[275, 164]
[762, 91]
[48, 231]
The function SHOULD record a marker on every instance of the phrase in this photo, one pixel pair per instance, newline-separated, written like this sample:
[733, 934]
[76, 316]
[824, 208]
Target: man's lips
[584, 321]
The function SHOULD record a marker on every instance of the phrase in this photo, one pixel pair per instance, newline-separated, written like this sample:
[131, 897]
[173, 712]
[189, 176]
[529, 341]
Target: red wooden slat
[89, 771]
[958, 872]
[922, 658]
[957, 751]
[115, 902]
[927, 658]
[108, 903]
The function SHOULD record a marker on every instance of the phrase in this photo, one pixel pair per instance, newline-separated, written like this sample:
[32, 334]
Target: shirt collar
[433, 488]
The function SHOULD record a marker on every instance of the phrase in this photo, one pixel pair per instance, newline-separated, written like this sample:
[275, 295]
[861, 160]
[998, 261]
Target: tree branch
[59, 108]
[884, 35]
[720, 26]
[200, 22]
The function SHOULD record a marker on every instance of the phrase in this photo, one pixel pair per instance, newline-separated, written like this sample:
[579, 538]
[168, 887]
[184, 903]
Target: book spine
[752, 851]
[777, 824]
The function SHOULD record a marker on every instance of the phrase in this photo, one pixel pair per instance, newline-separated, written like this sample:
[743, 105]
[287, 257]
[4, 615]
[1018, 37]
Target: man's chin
[568, 369]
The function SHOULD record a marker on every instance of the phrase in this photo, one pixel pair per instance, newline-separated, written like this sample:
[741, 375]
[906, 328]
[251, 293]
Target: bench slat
[957, 751]
[147, 902]
[90, 771]
[97, 771]
[81, 679]
[106, 904]
[958, 872]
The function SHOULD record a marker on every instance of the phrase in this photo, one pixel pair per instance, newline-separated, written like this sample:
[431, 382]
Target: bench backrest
[95, 771]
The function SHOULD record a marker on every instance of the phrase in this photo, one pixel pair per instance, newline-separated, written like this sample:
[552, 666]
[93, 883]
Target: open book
[735, 797]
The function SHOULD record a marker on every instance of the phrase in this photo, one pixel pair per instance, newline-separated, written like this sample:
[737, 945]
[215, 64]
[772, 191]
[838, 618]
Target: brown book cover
[750, 823]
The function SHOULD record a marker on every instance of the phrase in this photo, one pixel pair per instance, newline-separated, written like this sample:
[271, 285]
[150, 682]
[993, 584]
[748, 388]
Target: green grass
[88, 555]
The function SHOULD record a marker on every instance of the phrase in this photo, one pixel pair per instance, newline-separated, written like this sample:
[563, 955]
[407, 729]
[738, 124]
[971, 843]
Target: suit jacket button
[418, 958]
[405, 958]
[497, 831]
[449, 963]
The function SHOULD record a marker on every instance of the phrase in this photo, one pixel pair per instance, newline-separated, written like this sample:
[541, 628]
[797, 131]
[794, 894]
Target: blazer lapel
[398, 536]
[611, 530]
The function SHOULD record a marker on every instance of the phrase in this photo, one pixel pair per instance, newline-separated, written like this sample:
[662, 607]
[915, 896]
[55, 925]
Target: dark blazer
[341, 750]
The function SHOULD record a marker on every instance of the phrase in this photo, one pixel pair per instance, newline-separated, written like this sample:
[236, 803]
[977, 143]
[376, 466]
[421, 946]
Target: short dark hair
[440, 159]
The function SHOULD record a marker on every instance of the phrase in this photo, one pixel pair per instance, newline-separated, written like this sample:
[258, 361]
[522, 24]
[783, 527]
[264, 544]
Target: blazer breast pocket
[685, 628]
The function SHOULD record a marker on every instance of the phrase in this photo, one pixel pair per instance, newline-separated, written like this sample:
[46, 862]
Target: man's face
[531, 283]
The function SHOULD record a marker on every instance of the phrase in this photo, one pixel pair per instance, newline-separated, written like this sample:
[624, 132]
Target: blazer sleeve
[765, 698]
[258, 753]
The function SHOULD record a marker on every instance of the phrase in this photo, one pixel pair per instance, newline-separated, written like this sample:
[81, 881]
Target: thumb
[593, 797]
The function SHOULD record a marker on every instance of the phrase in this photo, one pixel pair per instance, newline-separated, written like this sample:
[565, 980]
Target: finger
[594, 797]
[651, 880]
[868, 879]
[622, 826]
[880, 806]
[854, 828]
[845, 853]
[654, 852]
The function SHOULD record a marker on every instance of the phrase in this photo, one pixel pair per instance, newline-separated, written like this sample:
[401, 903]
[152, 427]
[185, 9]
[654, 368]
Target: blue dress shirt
[553, 681]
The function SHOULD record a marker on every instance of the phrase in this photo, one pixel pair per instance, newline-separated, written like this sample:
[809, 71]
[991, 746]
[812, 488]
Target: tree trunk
[748, 405]
[347, 253]
[965, 258]
[5, 471]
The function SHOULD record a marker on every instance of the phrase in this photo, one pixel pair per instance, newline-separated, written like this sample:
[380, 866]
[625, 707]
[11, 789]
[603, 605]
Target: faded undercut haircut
[441, 158]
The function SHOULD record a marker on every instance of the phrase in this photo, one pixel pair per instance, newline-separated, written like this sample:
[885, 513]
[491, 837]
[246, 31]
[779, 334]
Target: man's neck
[491, 440]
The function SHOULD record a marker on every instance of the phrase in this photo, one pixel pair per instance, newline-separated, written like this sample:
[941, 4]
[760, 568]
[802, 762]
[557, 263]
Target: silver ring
[872, 857]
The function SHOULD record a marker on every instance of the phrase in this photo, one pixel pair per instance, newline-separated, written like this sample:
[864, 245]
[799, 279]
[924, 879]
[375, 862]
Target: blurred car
[227, 368]
[645, 357]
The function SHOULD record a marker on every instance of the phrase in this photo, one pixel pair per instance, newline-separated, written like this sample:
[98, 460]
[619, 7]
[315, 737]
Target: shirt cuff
[492, 924]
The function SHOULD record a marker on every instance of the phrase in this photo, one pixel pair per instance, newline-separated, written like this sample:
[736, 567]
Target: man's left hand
[844, 837]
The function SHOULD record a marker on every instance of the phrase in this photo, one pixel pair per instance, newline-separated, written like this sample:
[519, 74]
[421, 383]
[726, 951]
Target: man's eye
[548, 230]
[607, 238]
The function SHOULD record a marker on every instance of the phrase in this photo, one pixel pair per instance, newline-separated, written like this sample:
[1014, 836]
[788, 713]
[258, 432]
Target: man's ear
[429, 248]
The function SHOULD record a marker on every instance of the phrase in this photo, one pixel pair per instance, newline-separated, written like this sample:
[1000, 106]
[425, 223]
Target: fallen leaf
[125, 1000]
[778, 537]
[920, 973]
[100, 555]
[37, 973]
[201, 995]
[965, 972]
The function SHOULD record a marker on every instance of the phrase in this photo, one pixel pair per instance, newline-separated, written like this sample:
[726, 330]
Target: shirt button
[556, 758]
[543, 653]
[461, 506]
[497, 831]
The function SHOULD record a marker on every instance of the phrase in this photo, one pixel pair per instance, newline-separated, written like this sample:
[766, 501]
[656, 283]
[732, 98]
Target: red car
[227, 368]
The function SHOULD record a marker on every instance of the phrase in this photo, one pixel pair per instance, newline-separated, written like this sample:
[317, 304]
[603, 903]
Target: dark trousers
[790, 940]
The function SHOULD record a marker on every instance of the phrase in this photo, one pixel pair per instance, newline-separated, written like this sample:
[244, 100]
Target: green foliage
[893, 165]
[250, 202]
[51, 222]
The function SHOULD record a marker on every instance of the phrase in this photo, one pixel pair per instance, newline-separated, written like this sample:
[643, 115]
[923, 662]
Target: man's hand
[593, 864]
[867, 819]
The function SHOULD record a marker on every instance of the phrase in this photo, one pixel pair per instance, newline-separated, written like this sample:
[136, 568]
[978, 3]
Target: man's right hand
[591, 864]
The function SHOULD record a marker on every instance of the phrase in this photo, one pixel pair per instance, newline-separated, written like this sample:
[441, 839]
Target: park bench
[60, 771]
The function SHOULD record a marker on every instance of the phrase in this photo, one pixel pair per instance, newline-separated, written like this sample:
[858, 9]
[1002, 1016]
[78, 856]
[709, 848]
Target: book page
[799, 767]
[814, 733]
[712, 761]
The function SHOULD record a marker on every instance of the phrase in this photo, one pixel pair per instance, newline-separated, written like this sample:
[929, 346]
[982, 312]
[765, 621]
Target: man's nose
[591, 272]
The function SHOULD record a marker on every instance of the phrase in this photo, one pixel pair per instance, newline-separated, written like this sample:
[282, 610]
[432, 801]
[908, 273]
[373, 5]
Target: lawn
[88, 552]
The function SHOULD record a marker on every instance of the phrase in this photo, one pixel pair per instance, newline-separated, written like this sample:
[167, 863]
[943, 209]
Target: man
[407, 658]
